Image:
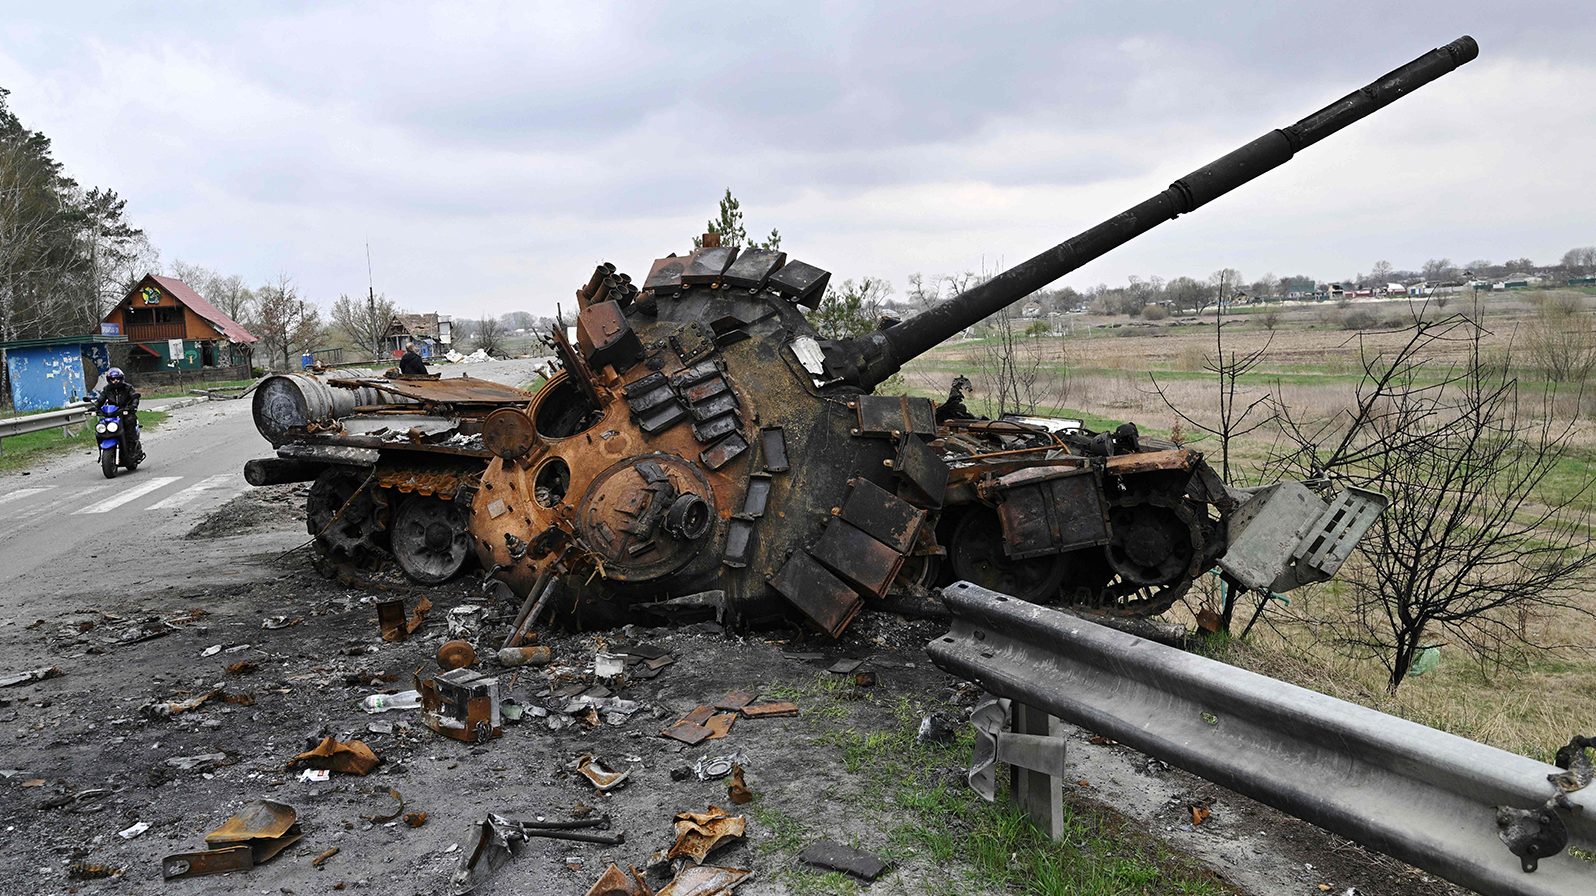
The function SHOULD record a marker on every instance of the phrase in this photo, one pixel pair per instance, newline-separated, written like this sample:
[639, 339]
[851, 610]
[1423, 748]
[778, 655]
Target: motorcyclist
[120, 392]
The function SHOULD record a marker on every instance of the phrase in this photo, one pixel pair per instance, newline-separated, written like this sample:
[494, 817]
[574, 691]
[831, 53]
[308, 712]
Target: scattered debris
[134, 831]
[598, 774]
[462, 704]
[212, 650]
[392, 622]
[200, 760]
[93, 871]
[769, 710]
[525, 656]
[398, 809]
[1199, 811]
[325, 855]
[242, 667]
[708, 768]
[700, 833]
[608, 666]
[844, 666]
[937, 728]
[167, 710]
[350, 758]
[261, 830]
[272, 623]
[704, 880]
[833, 856]
[466, 621]
[30, 676]
[315, 775]
[864, 679]
[615, 882]
[734, 701]
[385, 702]
[456, 654]
[499, 839]
[737, 791]
[415, 819]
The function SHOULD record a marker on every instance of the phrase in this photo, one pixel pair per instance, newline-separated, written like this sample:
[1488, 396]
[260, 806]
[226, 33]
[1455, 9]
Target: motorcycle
[110, 431]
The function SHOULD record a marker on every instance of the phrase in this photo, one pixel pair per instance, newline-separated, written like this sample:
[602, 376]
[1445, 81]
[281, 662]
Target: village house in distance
[170, 328]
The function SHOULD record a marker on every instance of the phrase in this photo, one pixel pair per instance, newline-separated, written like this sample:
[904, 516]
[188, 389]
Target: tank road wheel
[429, 539]
[976, 554]
[341, 515]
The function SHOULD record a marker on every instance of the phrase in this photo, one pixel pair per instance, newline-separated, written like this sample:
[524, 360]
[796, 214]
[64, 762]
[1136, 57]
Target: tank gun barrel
[868, 360]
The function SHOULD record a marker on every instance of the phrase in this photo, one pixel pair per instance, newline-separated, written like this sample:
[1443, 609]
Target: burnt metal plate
[887, 416]
[828, 601]
[662, 417]
[758, 495]
[857, 557]
[803, 283]
[665, 275]
[721, 453]
[753, 267]
[710, 430]
[1052, 515]
[693, 342]
[644, 385]
[922, 469]
[739, 542]
[773, 442]
[210, 861]
[699, 372]
[705, 265]
[707, 389]
[652, 399]
[724, 403]
[882, 515]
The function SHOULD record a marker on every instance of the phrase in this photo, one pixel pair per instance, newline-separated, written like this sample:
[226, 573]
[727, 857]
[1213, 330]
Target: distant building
[433, 333]
[170, 327]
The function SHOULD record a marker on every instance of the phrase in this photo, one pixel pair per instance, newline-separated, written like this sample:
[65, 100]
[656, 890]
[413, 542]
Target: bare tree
[285, 322]
[365, 321]
[1471, 539]
[489, 336]
[1581, 260]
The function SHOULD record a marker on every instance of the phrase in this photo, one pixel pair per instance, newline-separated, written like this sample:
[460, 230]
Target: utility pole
[371, 308]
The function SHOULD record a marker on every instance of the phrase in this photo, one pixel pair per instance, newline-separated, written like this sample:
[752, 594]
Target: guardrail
[66, 418]
[1424, 796]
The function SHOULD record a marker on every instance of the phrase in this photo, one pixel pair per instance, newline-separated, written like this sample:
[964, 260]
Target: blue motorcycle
[110, 430]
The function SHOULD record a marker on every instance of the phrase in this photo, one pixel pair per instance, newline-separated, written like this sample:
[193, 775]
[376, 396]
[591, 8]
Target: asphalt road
[65, 529]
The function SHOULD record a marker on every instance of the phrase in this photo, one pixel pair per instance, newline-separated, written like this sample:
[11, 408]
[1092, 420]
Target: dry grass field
[1104, 371]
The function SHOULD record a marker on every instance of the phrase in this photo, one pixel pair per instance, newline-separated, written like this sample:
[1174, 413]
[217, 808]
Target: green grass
[953, 838]
[21, 452]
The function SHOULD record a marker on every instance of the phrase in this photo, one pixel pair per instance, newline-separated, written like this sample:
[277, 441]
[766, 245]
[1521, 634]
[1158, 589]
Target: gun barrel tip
[1466, 48]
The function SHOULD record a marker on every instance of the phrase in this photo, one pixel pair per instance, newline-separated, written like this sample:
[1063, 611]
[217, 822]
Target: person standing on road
[411, 364]
[120, 392]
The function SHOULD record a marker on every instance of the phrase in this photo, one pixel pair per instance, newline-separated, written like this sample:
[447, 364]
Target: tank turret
[701, 445]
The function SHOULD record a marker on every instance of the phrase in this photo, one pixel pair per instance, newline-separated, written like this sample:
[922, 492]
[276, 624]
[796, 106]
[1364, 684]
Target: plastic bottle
[385, 702]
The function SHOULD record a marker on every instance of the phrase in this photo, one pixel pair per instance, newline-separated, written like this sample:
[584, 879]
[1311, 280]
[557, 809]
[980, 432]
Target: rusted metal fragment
[721, 453]
[857, 557]
[454, 390]
[1149, 461]
[828, 601]
[456, 654]
[720, 725]
[179, 866]
[882, 515]
[391, 618]
[699, 833]
[1046, 512]
[705, 880]
[737, 791]
[888, 416]
[606, 337]
[321, 859]
[602, 777]
[350, 758]
[615, 882]
[769, 710]
[399, 808]
[734, 700]
[509, 433]
[920, 468]
[689, 733]
[463, 705]
[834, 856]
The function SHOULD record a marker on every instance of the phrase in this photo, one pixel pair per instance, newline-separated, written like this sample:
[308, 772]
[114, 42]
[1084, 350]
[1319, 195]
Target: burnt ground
[84, 759]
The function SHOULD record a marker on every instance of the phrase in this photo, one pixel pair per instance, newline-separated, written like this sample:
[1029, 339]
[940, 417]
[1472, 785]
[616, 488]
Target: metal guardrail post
[67, 418]
[1034, 753]
[1424, 796]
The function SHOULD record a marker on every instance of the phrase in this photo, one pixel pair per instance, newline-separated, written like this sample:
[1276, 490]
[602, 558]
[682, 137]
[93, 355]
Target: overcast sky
[493, 153]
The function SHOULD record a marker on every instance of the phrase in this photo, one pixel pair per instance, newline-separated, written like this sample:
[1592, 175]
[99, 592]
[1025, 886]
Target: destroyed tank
[701, 448]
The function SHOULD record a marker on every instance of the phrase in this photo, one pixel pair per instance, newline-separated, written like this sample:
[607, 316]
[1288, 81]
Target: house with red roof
[170, 327]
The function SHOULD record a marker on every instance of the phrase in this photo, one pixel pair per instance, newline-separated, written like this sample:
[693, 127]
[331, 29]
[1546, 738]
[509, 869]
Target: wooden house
[170, 327]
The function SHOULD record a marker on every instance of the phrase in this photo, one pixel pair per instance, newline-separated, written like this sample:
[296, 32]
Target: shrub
[1358, 320]
[1155, 312]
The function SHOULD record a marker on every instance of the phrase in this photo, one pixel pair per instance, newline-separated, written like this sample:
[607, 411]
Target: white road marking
[194, 491]
[23, 493]
[132, 494]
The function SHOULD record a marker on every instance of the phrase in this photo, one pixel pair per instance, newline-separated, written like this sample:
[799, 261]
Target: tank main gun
[868, 360]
